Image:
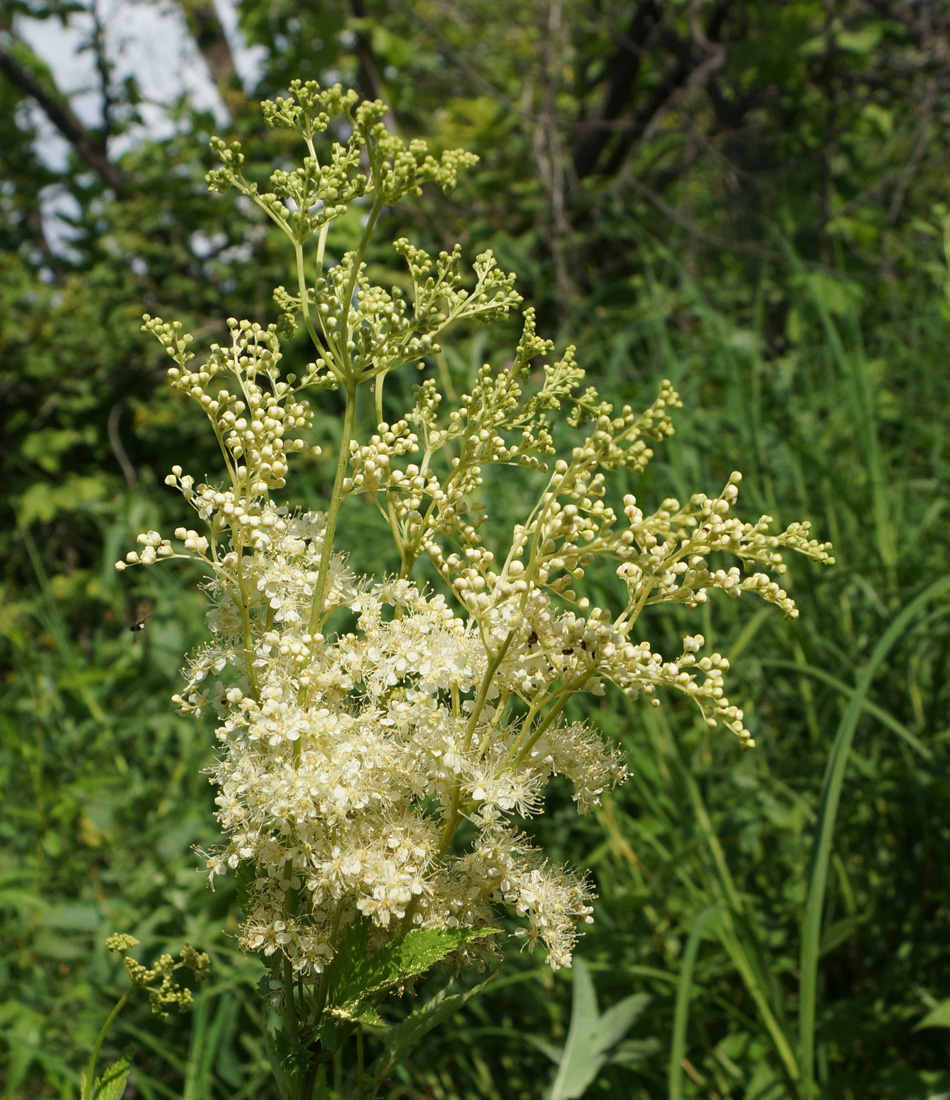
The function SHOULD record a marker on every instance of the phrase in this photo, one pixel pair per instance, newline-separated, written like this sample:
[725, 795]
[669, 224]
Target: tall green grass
[848, 426]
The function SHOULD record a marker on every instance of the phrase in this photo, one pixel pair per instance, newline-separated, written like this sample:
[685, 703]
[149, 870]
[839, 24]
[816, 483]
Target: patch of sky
[144, 42]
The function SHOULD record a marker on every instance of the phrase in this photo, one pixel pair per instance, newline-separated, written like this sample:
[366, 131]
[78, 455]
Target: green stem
[378, 394]
[322, 991]
[333, 511]
[305, 298]
[87, 1092]
[289, 1012]
[626, 620]
[310, 1082]
[452, 816]
[516, 755]
[351, 284]
[243, 605]
[484, 689]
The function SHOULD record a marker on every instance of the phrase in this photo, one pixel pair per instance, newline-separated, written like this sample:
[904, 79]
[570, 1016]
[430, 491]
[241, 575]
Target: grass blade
[681, 1010]
[828, 808]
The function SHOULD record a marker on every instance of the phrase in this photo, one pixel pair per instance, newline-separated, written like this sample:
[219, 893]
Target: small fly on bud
[143, 612]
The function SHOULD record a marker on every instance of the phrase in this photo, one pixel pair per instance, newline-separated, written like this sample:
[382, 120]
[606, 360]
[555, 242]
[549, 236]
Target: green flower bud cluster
[157, 980]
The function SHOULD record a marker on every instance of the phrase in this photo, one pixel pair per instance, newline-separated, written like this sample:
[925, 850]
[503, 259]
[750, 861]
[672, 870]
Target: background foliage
[747, 197]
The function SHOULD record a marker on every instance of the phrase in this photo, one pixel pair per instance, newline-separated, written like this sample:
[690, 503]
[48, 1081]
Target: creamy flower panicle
[337, 772]
[381, 743]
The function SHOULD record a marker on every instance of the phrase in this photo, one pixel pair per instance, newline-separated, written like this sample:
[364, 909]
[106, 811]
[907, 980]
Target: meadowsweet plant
[381, 739]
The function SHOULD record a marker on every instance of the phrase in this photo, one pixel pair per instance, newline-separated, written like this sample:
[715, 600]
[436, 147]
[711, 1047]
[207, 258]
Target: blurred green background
[747, 197]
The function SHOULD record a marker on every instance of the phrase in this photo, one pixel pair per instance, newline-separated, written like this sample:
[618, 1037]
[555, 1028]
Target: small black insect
[143, 612]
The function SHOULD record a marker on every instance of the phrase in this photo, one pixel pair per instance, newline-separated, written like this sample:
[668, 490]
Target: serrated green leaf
[404, 1035]
[359, 975]
[400, 1039]
[111, 1085]
[366, 1014]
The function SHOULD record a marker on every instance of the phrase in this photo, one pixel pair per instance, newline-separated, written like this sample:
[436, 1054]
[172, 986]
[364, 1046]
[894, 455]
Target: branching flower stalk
[163, 992]
[379, 741]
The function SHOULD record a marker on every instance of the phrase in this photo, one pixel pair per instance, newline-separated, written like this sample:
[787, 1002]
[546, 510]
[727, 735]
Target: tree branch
[695, 232]
[206, 29]
[58, 111]
[620, 75]
[104, 72]
[696, 61]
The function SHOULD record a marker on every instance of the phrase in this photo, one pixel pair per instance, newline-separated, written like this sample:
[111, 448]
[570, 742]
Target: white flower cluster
[349, 761]
[380, 744]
